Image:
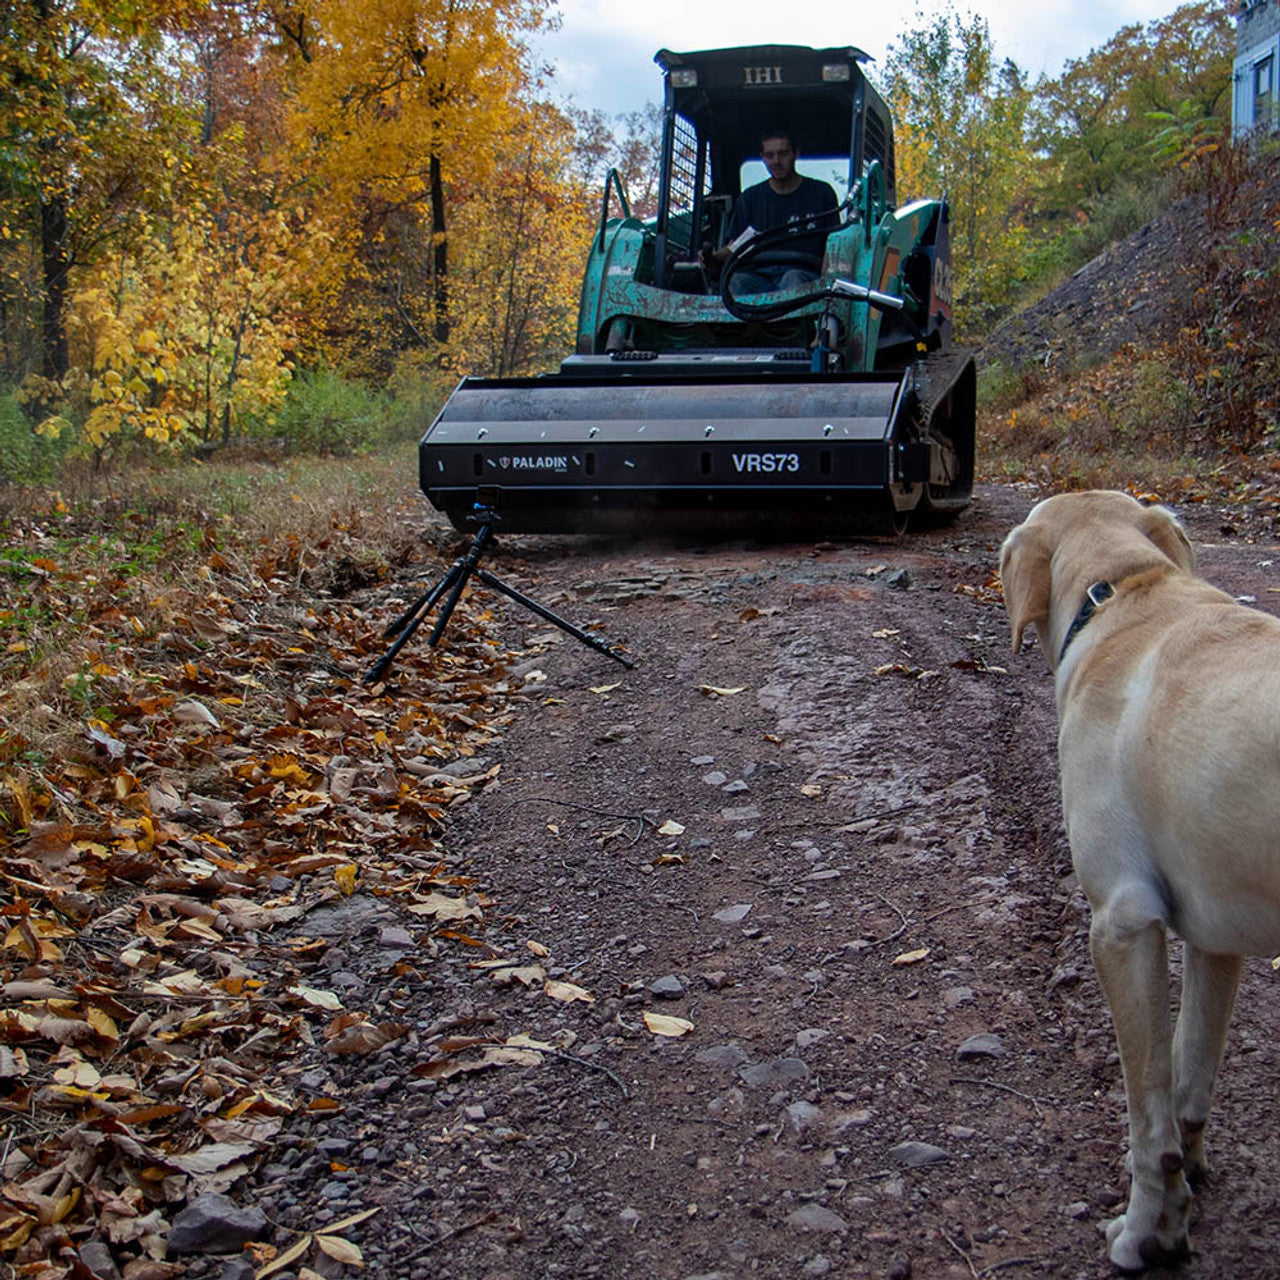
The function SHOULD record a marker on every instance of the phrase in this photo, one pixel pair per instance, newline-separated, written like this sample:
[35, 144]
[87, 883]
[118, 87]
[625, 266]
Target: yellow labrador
[1168, 696]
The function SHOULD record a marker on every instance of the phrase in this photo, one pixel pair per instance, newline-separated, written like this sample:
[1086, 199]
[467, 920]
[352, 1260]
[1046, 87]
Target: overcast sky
[603, 53]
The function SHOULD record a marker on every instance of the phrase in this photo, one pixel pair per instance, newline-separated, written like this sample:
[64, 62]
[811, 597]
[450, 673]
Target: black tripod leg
[465, 570]
[418, 610]
[496, 583]
[408, 623]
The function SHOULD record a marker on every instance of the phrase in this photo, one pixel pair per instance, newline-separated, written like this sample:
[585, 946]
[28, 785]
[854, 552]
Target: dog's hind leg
[1128, 948]
[1209, 985]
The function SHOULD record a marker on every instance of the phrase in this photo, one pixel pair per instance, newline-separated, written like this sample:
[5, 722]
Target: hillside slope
[1141, 288]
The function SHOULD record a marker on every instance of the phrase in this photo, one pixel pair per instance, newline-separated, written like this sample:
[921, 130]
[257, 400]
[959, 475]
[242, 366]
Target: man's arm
[738, 223]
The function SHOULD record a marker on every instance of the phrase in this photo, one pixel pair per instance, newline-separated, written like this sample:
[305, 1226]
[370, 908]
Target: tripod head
[484, 510]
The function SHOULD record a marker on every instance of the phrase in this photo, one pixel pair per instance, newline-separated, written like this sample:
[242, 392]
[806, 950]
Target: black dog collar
[1097, 593]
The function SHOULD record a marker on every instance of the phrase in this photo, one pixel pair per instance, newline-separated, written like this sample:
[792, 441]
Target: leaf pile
[190, 765]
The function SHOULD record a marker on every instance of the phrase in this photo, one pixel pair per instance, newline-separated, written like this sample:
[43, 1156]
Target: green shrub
[26, 458]
[326, 413]
[418, 390]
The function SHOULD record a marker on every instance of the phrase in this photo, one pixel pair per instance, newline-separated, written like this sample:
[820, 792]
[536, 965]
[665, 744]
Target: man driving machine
[785, 199]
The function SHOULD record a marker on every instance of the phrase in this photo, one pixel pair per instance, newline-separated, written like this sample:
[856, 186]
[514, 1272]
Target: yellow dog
[1168, 696]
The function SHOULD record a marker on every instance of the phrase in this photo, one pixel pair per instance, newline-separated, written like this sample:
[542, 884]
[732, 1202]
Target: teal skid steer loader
[832, 406]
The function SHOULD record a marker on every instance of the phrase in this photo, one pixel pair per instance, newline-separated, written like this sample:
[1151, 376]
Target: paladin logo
[535, 462]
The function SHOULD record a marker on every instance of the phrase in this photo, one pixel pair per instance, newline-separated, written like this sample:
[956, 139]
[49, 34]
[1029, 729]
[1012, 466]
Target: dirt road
[819, 821]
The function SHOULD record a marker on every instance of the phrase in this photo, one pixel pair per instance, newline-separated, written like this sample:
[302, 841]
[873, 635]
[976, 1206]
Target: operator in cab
[786, 198]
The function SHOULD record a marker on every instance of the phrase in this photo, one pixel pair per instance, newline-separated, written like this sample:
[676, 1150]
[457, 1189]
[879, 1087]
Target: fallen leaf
[195, 712]
[663, 1024]
[291, 1254]
[671, 828]
[886, 633]
[345, 878]
[317, 999]
[353, 1033]
[341, 1250]
[443, 907]
[911, 957]
[670, 860]
[527, 975]
[715, 691]
[605, 688]
[537, 948]
[567, 992]
[811, 790]
[354, 1220]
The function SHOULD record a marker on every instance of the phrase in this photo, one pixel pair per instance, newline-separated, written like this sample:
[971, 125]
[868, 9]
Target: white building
[1253, 104]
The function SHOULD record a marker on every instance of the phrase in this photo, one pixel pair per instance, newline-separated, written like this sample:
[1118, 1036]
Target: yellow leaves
[187, 327]
[911, 957]
[715, 691]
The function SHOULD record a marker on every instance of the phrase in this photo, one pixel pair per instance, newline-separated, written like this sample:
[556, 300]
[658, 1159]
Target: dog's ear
[1162, 527]
[1024, 575]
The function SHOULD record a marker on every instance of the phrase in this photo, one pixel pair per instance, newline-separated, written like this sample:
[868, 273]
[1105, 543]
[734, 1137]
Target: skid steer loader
[828, 407]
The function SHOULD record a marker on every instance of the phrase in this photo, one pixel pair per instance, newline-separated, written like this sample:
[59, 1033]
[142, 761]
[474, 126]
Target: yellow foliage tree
[395, 104]
[522, 239]
[193, 330]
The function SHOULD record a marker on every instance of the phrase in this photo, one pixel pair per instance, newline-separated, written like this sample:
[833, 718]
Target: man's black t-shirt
[764, 209]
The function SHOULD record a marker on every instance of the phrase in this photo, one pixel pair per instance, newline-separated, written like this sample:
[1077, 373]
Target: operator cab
[717, 103]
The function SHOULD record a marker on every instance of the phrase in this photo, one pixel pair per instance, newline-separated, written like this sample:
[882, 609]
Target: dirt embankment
[819, 823]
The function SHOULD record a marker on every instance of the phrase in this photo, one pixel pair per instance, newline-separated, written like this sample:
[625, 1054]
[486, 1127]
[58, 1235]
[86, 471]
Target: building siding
[1257, 38]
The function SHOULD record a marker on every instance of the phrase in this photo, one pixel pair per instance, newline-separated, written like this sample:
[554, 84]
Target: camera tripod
[484, 514]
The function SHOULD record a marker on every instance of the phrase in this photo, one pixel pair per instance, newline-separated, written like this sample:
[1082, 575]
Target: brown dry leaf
[717, 691]
[670, 860]
[353, 1033]
[567, 992]
[151, 1269]
[537, 948]
[517, 1051]
[354, 1220]
[13, 1063]
[14, 1229]
[664, 1024]
[911, 957]
[527, 975]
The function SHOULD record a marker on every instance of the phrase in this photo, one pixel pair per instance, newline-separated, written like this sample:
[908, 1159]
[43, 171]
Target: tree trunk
[54, 264]
[440, 265]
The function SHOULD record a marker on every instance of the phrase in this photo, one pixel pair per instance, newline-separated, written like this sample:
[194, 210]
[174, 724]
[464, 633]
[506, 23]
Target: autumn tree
[959, 131]
[88, 128]
[394, 112]
[1094, 124]
[522, 240]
